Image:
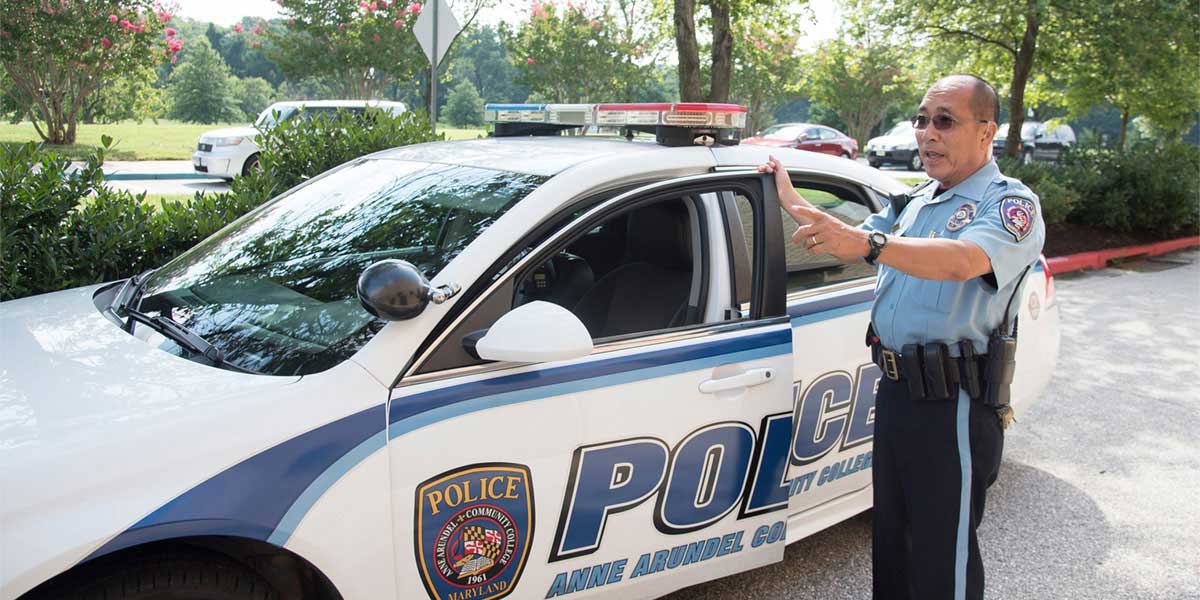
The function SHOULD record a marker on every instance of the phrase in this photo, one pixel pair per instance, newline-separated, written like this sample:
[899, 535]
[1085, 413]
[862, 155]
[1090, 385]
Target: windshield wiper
[129, 296]
[188, 339]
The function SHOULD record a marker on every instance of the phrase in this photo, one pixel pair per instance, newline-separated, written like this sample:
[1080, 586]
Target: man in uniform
[951, 261]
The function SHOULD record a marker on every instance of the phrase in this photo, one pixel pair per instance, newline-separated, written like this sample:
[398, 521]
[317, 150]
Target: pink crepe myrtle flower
[103, 42]
[596, 25]
[363, 4]
[164, 16]
[112, 18]
[174, 45]
[373, 7]
[399, 24]
[125, 24]
[414, 9]
[375, 38]
[529, 61]
[257, 30]
[255, 44]
[171, 32]
[238, 27]
[174, 57]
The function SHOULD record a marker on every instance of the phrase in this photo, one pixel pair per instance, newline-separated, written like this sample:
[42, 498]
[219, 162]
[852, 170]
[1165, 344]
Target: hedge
[61, 229]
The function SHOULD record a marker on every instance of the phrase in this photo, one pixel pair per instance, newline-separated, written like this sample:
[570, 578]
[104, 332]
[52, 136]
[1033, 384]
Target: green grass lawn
[166, 140]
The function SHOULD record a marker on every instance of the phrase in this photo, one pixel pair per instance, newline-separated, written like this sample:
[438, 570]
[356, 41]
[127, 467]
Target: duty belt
[929, 369]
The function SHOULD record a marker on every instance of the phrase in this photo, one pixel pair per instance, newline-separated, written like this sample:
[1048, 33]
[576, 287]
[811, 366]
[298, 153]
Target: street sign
[437, 14]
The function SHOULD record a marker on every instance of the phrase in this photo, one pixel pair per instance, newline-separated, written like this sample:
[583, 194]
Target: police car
[529, 366]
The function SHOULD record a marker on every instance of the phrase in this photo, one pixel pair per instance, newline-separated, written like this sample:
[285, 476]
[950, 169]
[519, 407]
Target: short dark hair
[985, 102]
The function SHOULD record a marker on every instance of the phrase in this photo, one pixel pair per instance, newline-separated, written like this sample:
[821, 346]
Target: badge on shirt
[1018, 214]
[962, 215]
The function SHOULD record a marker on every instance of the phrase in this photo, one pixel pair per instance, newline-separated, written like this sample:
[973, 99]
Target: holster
[970, 377]
[1001, 364]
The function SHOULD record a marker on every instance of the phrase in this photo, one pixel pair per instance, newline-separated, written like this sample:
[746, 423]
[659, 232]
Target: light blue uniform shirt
[1001, 216]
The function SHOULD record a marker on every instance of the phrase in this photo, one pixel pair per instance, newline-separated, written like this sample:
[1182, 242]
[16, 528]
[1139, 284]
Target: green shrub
[299, 149]
[1058, 198]
[60, 230]
[1149, 190]
[464, 107]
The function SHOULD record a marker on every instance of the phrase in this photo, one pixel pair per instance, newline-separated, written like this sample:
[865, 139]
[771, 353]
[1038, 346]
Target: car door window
[828, 134]
[640, 270]
[813, 133]
[805, 269]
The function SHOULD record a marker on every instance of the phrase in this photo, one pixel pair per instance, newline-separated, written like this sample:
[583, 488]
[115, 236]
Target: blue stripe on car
[267, 495]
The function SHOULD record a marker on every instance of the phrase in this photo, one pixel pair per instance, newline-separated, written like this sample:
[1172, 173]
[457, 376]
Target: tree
[989, 38]
[57, 54]
[131, 97]
[200, 88]
[365, 45]
[482, 58]
[573, 54]
[464, 107]
[719, 20]
[252, 94]
[859, 82]
[1141, 57]
[766, 66]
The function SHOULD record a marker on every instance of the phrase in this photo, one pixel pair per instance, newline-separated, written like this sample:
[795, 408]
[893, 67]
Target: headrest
[660, 234]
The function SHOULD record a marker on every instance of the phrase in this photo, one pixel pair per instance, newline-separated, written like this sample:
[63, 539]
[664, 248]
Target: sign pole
[433, 68]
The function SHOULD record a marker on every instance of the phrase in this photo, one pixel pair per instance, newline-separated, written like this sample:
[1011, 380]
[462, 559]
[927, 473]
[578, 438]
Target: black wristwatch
[876, 241]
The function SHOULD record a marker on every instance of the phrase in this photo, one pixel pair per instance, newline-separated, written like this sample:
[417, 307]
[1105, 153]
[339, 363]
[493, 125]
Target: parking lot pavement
[897, 171]
[1097, 493]
[118, 172]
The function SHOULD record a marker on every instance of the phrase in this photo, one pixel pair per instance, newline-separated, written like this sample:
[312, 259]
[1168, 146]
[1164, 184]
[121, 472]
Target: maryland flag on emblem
[480, 549]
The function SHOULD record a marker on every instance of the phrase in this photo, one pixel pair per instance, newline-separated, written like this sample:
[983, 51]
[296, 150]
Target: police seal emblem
[962, 215]
[1017, 214]
[473, 526]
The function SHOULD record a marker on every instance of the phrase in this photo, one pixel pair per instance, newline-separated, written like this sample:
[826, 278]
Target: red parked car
[805, 136]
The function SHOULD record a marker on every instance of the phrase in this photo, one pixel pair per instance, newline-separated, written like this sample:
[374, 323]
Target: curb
[142, 176]
[1098, 259]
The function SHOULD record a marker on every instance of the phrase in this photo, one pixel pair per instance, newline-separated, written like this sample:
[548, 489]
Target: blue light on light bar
[514, 113]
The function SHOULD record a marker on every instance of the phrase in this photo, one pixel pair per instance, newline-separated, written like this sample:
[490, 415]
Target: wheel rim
[915, 163]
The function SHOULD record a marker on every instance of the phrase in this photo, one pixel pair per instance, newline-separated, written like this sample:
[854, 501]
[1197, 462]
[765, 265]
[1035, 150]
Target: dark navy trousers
[932, 464]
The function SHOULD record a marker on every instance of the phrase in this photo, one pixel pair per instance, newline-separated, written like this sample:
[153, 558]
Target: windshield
[783, 132]
[266, 119]
[1027, 130]
[901, 128]
[275, 291]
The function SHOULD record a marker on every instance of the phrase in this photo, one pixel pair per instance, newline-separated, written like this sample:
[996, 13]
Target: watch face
[878, 238]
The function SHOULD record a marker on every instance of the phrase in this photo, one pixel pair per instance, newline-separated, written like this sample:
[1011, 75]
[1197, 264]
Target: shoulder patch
[1018, 215]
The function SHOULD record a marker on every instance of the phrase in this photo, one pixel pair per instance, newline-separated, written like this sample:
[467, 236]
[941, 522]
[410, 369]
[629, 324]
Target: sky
[228, 12]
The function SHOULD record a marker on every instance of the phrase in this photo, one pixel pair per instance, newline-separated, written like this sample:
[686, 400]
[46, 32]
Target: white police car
[621, 380]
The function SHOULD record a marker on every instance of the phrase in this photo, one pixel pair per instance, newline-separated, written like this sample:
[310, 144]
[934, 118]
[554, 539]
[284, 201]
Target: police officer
[951, 260]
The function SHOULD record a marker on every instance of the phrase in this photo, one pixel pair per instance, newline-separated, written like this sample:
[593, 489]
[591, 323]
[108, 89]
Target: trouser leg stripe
[964, 502]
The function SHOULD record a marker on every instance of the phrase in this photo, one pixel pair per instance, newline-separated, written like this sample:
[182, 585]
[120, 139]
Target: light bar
[671, 122]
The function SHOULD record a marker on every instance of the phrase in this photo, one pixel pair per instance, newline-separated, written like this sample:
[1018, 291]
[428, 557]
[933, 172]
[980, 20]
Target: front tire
[874, 163]
[845, 155]
[251, 165]
[914, 163]
[170, 575]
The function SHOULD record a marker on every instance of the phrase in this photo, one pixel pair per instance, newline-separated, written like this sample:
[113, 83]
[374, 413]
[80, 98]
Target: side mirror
[802, 137]
[395, 290]
[535, 332]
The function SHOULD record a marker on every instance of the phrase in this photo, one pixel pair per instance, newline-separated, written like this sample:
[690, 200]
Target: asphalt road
[1099, 492]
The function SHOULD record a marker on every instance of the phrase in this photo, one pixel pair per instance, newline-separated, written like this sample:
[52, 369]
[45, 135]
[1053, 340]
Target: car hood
[246, 131]
[70, 377]
[892, 140]
[760, 141]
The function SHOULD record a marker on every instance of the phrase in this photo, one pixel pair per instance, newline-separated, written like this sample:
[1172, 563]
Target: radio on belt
[673, 124]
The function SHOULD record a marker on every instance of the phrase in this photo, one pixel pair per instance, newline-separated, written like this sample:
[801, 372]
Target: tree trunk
[1124, 128]
[1021, 69]
[722, 52]
[688, 50]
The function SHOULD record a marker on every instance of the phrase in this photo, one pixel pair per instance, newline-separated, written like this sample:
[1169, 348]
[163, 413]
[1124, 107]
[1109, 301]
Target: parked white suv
[229, 152]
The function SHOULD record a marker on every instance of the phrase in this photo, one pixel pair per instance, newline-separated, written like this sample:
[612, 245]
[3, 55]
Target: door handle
[750, 378]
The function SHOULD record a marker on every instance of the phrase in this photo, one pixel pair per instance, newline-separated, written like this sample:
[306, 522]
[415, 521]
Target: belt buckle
[890, 366]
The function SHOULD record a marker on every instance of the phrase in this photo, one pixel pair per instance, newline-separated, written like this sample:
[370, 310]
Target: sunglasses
[940, 122]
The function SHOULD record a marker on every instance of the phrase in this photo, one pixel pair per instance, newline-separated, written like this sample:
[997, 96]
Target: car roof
[337, 103]
[532, 155]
